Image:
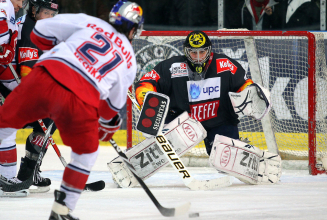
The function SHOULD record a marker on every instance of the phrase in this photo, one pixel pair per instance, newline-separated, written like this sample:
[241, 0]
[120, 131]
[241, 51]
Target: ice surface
[297, 196]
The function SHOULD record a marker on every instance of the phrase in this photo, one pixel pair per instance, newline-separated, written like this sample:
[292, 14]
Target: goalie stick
[178, 165]
[95, 186]
[167, 212]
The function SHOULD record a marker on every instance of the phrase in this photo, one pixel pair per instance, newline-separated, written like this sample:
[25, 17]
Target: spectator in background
[156, 12]
[230, 20]
[192, 13]
[302, 15]
[257, 15]
[97, 8]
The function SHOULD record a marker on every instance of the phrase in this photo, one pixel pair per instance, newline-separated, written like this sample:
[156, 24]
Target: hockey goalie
[184, 133]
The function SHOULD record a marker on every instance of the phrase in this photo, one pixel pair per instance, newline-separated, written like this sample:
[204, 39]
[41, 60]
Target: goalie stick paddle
[178, 165]
[95, 186]
[167, 212]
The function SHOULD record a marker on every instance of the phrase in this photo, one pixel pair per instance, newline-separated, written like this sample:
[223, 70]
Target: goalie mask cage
[290, 64]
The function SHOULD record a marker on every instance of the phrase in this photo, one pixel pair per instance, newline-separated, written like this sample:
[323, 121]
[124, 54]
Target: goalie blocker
[153, 113]
[244, 161]
[147, 157]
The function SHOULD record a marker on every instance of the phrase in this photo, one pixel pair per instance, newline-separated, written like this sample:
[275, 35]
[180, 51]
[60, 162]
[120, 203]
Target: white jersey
[91, 48]
[7, 12]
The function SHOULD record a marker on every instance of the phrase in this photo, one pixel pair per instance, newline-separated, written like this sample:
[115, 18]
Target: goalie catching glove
[7, 51]
[253, 101]
[244, 161]
[108, 128]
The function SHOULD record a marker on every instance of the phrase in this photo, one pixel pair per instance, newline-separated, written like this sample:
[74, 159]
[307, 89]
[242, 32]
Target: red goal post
[291, 64]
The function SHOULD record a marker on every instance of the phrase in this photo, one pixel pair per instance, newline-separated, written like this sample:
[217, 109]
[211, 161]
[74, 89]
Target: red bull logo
[137, 9]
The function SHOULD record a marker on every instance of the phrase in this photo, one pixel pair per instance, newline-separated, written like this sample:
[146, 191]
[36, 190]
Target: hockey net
[291, 64]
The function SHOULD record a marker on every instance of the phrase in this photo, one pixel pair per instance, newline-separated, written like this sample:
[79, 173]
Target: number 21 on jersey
[96, 53]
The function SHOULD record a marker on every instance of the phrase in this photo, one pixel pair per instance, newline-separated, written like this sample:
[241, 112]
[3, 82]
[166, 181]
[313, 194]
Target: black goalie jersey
[206, 100]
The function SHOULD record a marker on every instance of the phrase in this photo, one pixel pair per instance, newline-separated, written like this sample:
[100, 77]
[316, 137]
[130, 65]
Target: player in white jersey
[8, 30]
[81, 83]
[26, 56]
[8, 41]
[8, 33]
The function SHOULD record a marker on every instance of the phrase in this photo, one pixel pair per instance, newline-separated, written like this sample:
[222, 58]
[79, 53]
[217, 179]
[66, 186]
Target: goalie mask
[197, 49]
[126, 15]
[253, 101]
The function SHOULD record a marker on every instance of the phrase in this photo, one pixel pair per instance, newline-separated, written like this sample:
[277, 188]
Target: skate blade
[20, 193]
[39, 189]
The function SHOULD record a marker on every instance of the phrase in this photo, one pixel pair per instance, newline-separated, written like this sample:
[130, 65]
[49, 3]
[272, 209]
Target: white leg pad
[121, 174]
[244, 161]
[147, 158]
[270, 168]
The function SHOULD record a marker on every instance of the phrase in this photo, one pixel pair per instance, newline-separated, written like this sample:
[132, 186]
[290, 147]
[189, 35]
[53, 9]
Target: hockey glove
[7, 51]
[107, 130]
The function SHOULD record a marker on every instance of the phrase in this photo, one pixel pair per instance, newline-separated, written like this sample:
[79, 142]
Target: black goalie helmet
[38, 4]
[197, 49]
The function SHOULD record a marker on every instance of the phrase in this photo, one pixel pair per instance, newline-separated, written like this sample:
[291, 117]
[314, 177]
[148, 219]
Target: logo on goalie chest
[225, 64]
[190, 132]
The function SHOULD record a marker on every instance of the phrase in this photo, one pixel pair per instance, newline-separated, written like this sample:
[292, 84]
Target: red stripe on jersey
[3, 26]
[40, 42]
[105, 111]
[8, 156]
[74, 179]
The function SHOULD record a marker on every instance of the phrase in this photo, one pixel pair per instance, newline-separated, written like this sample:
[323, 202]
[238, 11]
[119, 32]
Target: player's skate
[40, 184]
[59, 209]
[7, 188]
